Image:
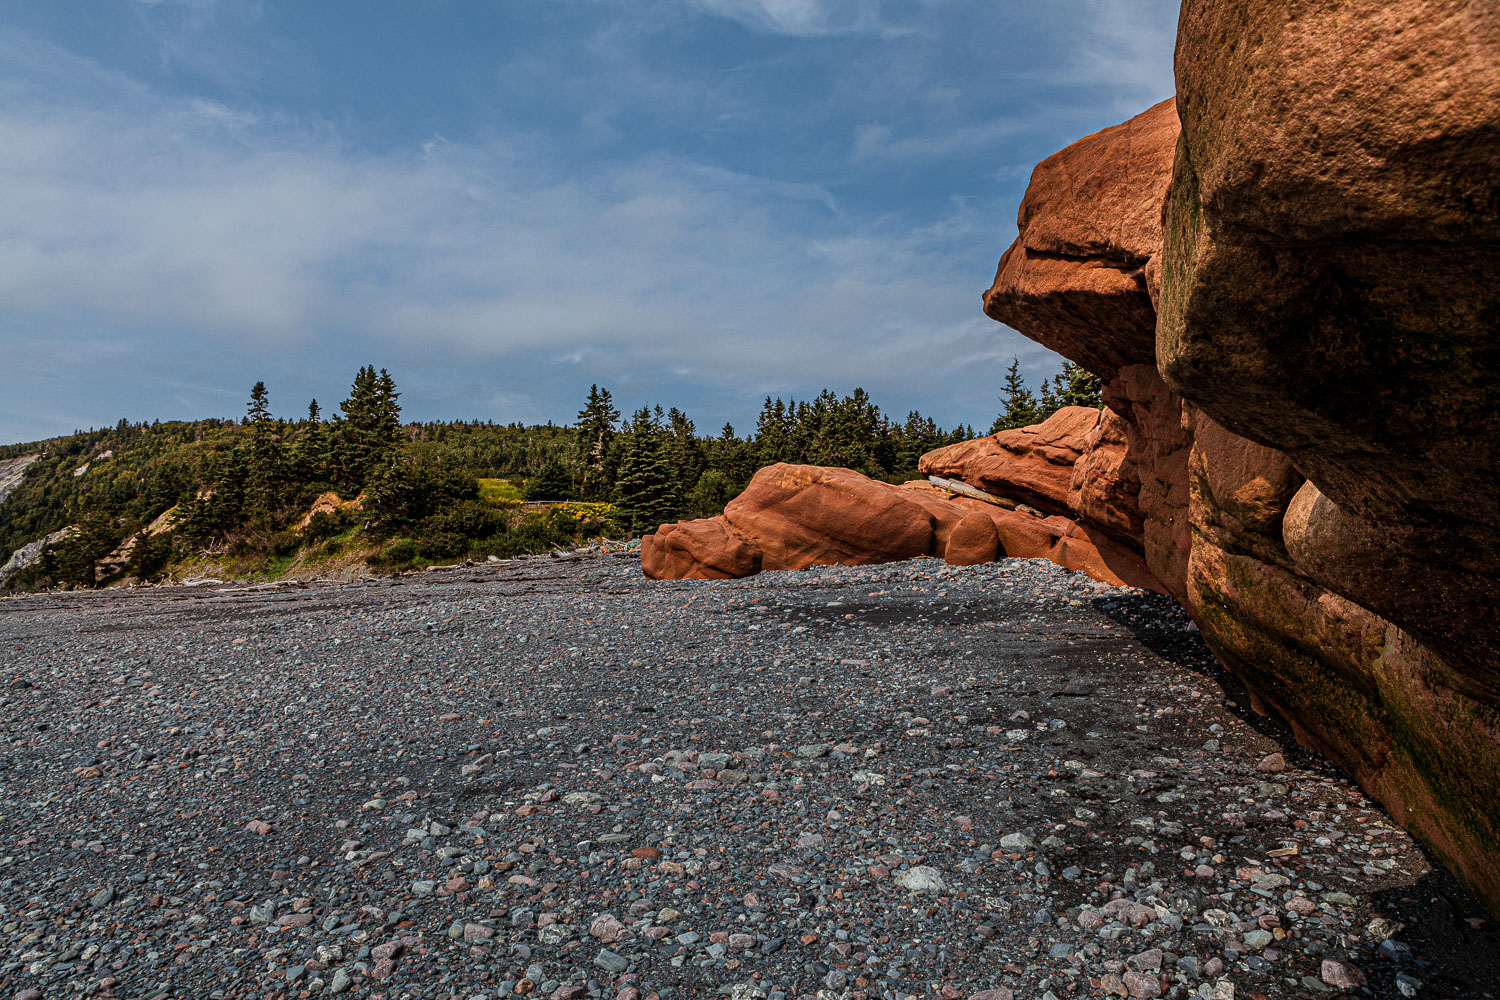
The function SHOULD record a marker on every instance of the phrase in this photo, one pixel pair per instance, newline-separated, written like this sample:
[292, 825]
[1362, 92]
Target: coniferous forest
[356, 486]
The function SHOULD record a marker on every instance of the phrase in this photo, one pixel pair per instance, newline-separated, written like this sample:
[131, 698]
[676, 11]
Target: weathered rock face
[1105, 489]
[801, 514]
[795, 516]
[706, 549]
[31, 553]
[1315, 431]
[12, 471]
[1090, 222]
[1329, 284]
[1033, 465]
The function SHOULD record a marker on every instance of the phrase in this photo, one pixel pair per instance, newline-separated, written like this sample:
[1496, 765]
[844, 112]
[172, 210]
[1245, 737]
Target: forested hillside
[264, 494]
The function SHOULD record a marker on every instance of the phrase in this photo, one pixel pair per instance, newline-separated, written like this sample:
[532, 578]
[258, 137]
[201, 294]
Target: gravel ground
[553, 778]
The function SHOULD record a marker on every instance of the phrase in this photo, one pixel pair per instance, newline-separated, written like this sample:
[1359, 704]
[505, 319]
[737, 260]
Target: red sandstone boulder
[800, 515]
[795, 516]
[1081, 278]
[707, 549]
[1068, 543]
[1388, 707]
[1032, 465]
[1240, 491]
[965, 535]
[1159, 432]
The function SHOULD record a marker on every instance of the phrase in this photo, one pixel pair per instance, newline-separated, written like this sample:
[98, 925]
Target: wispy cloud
[804, 18]
[686, 231]
[167, 221]
[1122, 44]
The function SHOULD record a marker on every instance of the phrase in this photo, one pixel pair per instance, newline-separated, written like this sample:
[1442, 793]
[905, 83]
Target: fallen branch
[963, 489]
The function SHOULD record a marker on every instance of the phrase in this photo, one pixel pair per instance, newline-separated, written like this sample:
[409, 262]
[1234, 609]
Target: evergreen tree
[551, 482]
[263, 489]
[1020, 405]
[731, 456]
[685, 453]
[386, 422]
[594, 450]
[221, 506]
[149, 556]
[850, 433]
[370, 433]
[1077, 386]
[73, 561]
[259, 410]
[310, 454]
[918, 436]
[645, 493]
[1049, 399]
[773, 439]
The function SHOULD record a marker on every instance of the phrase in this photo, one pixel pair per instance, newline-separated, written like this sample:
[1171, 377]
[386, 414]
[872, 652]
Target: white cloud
[1123, 45]
[801, 17]
[878, 141]
[156, 247]
[192, 227]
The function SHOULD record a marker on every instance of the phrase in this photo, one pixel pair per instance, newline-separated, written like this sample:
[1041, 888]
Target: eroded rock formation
[1313, 426]
[1034, 465]
[795, 516]
[12, 471]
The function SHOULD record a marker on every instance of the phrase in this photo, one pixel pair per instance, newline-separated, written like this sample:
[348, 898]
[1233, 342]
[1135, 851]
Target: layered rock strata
[1314, 424]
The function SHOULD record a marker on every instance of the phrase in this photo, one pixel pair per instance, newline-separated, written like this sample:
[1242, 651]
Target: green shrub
[326, 524]
[537, 533]
[397, 552]
[405, 493]
[442, 545]
[711, 494]
[469, 518]
[284, 543]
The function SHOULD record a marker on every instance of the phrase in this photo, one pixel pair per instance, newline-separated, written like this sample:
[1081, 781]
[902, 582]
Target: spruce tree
[772, 434]
[259, 409]
[1077, 386]
[1020, 405]
[370, 434]
[551, 482]
[386, 419]
[685, 454]
[731, 456]
[917, 437]
[1049, 398]
[594, 445]
[645, 493]
[310, 454]
[262, 492]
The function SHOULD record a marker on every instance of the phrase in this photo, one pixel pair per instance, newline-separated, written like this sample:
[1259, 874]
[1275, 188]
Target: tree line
[243, 488]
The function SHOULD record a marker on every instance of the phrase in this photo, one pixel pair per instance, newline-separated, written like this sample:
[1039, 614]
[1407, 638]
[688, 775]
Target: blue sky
[691, 202]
